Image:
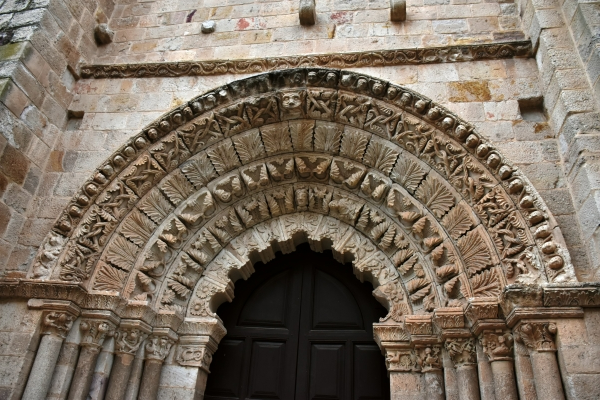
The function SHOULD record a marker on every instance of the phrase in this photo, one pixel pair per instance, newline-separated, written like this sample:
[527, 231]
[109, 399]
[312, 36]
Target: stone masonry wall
[170, 30]
[46, 156]
[41, 44]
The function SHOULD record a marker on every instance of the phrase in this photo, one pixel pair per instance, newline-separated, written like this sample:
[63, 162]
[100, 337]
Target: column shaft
[80, 387]
[548, 384]
[40, 376]
[150, 379]
[201, 384]
[505, 385]
[119, 376]
[406, 385]
[450, 379]
[486, 378]
[434, 385]
[468, 382]
[524, 372]
[63, 373]
[101, 374]
[135, 377]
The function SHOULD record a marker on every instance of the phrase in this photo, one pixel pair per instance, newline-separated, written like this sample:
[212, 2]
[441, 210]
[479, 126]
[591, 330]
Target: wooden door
[300, 328]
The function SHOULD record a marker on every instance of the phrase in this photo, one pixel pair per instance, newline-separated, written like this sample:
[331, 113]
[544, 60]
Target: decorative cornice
[383, 58]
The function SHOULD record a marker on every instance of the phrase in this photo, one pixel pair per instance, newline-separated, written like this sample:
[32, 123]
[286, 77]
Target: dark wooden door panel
[300, 328]
[226, 369]
[268, 305]
[369, 375]
[334, 307]
[327, 371]
[267, 371]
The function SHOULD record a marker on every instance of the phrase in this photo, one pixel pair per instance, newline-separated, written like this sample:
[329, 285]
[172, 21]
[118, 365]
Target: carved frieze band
[381, 58]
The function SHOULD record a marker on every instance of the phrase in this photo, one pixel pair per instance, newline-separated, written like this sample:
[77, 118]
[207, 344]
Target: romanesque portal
[460, 248]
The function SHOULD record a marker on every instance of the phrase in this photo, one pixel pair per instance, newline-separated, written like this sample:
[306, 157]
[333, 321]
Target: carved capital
[462, 351]
[94, 331]
[57, 323]
[195, 355]
[497, 346]
[429, 358]
[128, 340]
[157, 347]
[401, 360]
[537, 336]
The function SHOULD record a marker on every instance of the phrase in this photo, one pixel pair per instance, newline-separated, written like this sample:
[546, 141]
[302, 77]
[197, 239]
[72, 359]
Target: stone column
[400, 359]
[186, 378]
[135, 377]
[65, 367]
[524, 372]
[102, 371]
[538, 337]
[55, 327]
[429, 358]
[94, 330]
[157, 348]
[128, 338]
[498, 347]
[463, 353]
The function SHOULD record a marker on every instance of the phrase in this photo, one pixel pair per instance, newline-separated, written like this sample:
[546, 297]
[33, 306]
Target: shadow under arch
[309, 317]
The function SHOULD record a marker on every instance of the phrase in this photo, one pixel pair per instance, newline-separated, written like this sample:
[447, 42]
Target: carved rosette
[195, 355]
[537, 336]
[94, 331]
[158, 347]
[497, 346]
[57, 323]
[462, 351]
[128, 340]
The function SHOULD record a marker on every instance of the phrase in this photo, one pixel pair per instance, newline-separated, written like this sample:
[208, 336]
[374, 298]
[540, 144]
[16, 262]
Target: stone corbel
[307, 12]
[398, 10]
[57, 316]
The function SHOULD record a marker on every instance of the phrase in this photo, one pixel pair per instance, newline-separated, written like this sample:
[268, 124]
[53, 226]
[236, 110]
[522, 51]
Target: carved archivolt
[421, 204]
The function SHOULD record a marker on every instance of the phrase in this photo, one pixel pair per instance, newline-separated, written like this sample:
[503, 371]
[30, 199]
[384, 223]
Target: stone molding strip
[383, 58]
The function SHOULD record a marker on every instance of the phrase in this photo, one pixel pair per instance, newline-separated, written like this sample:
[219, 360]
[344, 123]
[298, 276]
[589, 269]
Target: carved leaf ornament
[399, 203]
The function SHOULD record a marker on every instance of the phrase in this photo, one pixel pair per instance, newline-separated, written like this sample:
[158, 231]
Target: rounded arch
[424, 206]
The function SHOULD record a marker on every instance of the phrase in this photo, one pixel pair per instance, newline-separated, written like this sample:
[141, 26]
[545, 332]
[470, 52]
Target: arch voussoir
[446, 215]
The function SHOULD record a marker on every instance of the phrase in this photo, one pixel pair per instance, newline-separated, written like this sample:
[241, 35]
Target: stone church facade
[153, 152]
